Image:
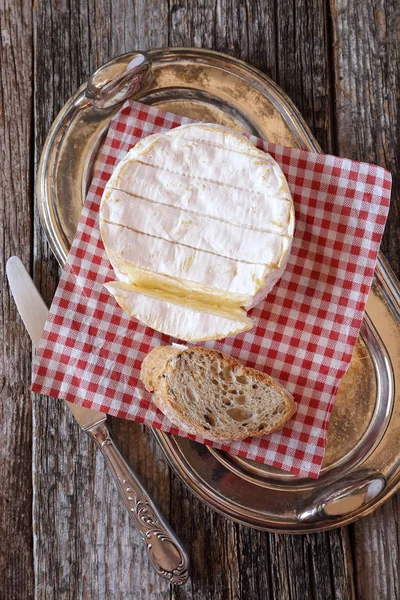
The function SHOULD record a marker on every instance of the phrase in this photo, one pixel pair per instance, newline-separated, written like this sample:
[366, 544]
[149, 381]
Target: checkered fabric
[304, 332]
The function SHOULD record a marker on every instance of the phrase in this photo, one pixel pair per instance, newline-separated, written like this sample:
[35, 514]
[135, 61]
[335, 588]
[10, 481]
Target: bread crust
[160, 363]
[154, 364]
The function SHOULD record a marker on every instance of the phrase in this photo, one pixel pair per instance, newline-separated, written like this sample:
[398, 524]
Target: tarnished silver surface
[116, 81]
[165, 551]
[362, 462]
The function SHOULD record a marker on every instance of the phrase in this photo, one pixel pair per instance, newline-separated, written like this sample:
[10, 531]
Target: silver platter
[361, 466]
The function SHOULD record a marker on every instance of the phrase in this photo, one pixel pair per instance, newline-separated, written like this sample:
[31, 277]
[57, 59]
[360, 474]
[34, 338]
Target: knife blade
[164, 549]
[34, 313]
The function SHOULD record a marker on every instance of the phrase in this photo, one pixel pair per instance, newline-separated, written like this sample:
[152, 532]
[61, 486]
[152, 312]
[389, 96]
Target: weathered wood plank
[376, 544]
[313, 566]
[367, 54]
[290, 42]
[225, 557]
[85, 546]
[212, 543]
[342, 564]
[245, 29]
[16, 554]
[303, 63]
[366, 58]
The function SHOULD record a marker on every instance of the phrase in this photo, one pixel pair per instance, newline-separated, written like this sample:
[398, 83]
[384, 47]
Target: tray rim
[383, 271]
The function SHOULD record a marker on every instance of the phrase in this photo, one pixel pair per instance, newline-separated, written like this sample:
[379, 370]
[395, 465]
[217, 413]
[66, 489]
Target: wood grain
[338, 62]
[303, 63]
[16, 554]
[366, 58]
[268, 566]
[367, 79]
[85, 546]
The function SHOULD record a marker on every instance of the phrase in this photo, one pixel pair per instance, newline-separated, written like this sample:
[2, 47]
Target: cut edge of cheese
[134, 275]
[173, 317]
[172, 291]
[182, 262]
[130, 273]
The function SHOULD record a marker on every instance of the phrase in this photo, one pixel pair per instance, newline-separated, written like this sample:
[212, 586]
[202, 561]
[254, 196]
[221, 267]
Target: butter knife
[164, 549]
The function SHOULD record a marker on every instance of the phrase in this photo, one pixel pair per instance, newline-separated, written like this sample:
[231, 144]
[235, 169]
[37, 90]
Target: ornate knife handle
[163, 547]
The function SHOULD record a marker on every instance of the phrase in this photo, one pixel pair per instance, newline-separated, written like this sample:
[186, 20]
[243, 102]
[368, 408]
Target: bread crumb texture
[211, 394]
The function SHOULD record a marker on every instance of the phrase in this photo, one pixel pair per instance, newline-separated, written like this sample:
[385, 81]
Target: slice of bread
[208, 393]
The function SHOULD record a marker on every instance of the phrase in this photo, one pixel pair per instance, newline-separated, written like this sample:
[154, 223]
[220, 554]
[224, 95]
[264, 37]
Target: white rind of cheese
[194, 231]
[174, 319]
[194, 198]
[202, 207]
[218, 165]
[269, 209]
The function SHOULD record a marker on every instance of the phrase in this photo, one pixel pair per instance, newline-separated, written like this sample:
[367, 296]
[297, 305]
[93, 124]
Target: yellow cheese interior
[176, 291]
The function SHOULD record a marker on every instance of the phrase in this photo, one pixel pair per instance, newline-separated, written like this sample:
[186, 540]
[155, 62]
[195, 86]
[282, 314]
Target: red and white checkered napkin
[304, 332]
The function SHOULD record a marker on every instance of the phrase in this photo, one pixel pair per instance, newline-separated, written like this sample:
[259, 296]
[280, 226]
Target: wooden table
[64, 533]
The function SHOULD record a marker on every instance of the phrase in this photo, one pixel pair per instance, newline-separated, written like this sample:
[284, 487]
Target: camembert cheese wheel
[198, 224]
